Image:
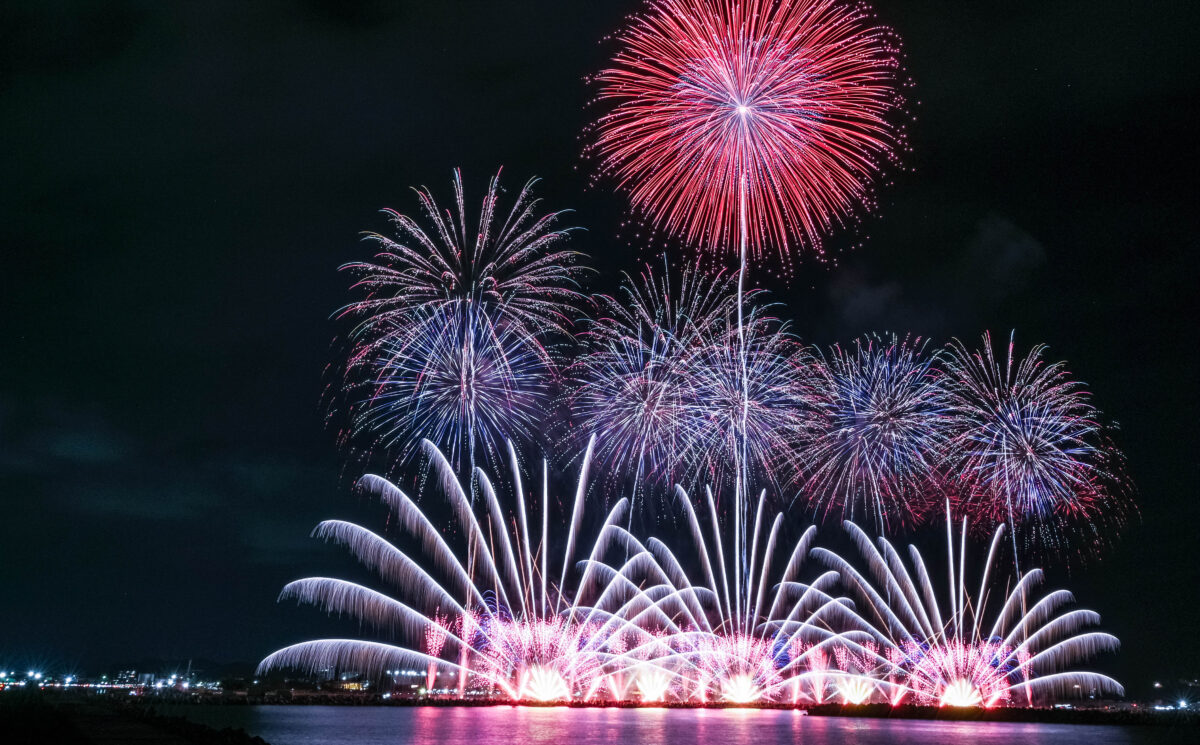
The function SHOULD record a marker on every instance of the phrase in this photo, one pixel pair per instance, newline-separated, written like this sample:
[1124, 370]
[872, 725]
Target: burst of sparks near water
[493, 617]
[855, 689]
[653, 684]
[493, 613]
[771, 117]
[885, 428]
[449, 330]
[751, 631]
[1030, 449]
[987, 649]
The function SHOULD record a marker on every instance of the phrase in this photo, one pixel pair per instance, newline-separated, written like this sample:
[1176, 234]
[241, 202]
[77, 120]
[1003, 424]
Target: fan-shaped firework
[493, 614]
[1030, 448]
[764, 118]
[885, 427]
[964, 653]
[450, 335]
[492, 617]
[635, 385]
[751, 631]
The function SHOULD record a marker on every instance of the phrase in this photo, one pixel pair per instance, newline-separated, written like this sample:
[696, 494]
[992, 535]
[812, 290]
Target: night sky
[181, 182]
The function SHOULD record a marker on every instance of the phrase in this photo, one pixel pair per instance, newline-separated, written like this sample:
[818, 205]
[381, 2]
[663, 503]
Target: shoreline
[37, 718]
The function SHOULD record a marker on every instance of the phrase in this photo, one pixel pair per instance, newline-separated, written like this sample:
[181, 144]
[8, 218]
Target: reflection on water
[335, 725]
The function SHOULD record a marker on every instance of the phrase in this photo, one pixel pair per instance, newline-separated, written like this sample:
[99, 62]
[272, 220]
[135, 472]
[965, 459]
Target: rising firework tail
[749, 124]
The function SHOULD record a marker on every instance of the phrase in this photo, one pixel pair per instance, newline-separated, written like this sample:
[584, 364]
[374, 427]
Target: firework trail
[753, 403]
[754, 399]
[754, 121]
[1030, 449]
[662, 388]
[450, 333]
[986, 650]
[757, 120]
[886, 424]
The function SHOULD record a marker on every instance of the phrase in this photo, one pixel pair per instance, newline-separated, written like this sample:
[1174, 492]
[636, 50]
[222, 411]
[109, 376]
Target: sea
[518, 725]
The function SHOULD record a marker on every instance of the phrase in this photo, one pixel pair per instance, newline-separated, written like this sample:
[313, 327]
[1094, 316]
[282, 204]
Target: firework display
[489, 615]
[1030, 448]
[885, 428]
[764, 121]
[748, 124]
[981, 650]
[634, 387]
[451, 336]
[511, 264]
[454, 376]
[761, 124]
[661, 385]
[491, 618]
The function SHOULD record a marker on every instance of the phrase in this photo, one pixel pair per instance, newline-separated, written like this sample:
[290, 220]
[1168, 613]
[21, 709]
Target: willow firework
[767, 119]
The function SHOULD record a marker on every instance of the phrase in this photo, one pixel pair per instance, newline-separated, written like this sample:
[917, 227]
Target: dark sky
[180, 182]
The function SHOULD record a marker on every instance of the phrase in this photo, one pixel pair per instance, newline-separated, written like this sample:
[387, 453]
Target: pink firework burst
[978, 673]
[540, 659]
[766, 120]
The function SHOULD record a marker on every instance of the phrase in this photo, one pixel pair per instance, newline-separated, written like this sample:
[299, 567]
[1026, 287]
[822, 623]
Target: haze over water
[337, 725]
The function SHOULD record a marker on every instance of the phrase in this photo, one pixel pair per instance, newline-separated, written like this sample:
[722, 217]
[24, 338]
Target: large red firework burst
[770, 115]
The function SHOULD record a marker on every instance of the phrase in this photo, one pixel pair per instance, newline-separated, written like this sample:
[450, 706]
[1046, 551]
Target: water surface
[343, 725]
